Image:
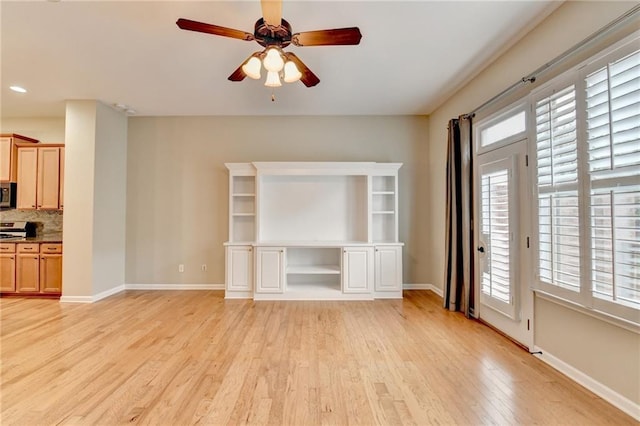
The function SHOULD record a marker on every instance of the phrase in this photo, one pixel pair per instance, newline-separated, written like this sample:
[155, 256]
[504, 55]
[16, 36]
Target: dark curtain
[459, 273]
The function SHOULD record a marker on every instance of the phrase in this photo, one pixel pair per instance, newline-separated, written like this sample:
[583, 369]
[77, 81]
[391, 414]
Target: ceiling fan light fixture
[291, 72]
[252, 68]
[273, 61]
[273, 79]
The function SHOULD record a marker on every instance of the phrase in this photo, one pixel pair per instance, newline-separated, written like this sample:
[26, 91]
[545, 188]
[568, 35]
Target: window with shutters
[587, 151]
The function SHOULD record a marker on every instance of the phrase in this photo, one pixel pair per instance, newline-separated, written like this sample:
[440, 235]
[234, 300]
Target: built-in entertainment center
[313, 231]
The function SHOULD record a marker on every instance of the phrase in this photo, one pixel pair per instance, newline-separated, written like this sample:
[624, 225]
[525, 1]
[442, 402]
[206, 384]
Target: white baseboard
[174, 286]
[107, 293]
[76, 299]
[94, 298]
[116, 290]
[431, 287]
[604, 392]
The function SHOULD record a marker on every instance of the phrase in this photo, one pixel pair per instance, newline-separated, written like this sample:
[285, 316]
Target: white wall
[177, 200]
[615, 361]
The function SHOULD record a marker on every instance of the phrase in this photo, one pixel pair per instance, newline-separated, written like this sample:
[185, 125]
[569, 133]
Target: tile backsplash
[47, 221]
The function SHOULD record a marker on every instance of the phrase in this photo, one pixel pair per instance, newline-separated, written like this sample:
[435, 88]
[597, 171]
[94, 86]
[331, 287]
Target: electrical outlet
[181, 268]
[204, 267]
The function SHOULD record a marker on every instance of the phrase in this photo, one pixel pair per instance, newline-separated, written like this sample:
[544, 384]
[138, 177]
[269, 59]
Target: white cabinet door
[357, 269]
[270, 269]
[388, 268]
[239, 268]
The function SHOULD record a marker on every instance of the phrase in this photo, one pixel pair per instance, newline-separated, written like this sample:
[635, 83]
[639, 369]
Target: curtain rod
[558, 59]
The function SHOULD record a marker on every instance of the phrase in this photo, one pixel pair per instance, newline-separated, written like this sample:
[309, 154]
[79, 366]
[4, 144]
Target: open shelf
[382, 193]
[384, 212]
[244, 214]
[243, 185]
[245, 194]
[383, 184]
[325, 285]
[314, 269]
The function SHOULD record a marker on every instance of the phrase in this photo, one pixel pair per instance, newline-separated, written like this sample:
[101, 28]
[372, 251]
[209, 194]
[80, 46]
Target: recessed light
[18, 89]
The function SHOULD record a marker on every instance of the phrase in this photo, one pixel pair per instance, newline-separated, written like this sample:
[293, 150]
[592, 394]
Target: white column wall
[95, 201]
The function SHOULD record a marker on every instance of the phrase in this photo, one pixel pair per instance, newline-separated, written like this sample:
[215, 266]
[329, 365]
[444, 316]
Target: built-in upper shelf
[313, 202]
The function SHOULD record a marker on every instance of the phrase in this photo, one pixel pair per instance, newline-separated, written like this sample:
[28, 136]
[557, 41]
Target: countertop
[55, 237]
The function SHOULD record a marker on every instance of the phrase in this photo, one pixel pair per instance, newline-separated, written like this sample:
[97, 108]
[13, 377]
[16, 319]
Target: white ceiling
[412, 55]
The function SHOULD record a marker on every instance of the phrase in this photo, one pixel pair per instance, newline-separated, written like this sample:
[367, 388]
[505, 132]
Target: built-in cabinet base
[319, 272]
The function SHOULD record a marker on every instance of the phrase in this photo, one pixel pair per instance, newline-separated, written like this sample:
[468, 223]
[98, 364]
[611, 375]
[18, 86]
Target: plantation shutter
[613, 134]
[558, 204]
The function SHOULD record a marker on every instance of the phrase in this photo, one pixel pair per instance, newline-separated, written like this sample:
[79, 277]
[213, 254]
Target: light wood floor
[169, 358]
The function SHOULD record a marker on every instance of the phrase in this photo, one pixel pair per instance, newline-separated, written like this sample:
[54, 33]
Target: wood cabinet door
[357, 270]
[28, 272]
[48, 187]
[8, 272]
[27, 178]
[239, 268]
[5, 159]
[388, 269]
[51, 273]
[270, 269]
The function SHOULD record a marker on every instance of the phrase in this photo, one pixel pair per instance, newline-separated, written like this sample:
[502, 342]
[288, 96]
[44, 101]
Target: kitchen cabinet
[357, 269]
[39, 177]
[31, 269]
[9, 155]
[51, 268]
[388, 268]
[7, 267]
[270, 269]
[27, 178]
[28, 267]
[239, 270]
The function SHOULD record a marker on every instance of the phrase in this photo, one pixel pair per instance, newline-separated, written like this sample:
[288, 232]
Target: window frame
[576, 76]
[503, 114]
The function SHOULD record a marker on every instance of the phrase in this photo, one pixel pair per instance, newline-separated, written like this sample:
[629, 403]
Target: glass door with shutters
[506, 299]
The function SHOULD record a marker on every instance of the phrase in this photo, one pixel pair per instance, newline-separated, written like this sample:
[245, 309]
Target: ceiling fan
[274, 34]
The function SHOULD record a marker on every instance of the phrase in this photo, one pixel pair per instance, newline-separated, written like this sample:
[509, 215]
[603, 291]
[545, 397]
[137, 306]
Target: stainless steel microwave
[7, 195]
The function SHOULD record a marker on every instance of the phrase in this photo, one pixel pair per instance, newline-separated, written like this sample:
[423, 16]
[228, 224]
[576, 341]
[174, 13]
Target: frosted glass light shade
[273, 79]
[273, 61]
[252, 68]
[291, 72]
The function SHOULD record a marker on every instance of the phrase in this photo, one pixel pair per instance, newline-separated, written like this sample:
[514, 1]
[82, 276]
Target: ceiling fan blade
[308, 77]
[272, 12]
[201, 27]
[238, 74]
[338, 36]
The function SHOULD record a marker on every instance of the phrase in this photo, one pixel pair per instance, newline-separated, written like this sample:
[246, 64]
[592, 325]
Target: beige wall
[177, 199]
[556, 327]
[44, 129]
[608, 353]
[95, 200]
[77, 223]
[110, 189]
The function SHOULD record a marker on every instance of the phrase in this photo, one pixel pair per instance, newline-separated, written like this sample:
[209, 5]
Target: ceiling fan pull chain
[273, 95]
